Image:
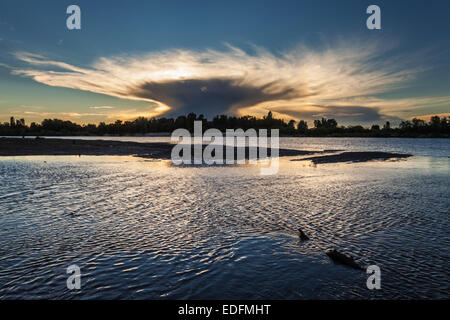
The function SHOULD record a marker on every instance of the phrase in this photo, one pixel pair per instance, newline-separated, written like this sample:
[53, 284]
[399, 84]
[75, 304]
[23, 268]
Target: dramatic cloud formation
[209, 96]
[344, 114]
[341, 82]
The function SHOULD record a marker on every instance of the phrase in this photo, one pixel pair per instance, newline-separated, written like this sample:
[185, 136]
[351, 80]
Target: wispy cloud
[62, 114]
[339, 79]
[39, 113]
[427, 117]
[101, 107]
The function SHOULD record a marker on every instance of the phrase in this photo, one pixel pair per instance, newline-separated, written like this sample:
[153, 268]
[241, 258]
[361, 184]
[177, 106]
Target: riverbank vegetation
[436, 127]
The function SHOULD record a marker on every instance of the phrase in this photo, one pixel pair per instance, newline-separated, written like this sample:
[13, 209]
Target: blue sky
[299, 59]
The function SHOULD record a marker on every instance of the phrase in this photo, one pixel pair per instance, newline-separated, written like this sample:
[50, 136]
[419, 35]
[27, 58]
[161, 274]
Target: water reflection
[147, 229]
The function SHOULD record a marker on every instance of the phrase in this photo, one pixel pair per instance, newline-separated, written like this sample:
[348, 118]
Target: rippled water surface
[141, 229]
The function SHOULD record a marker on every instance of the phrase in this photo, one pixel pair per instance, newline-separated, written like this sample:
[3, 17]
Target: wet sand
[160, 150]
[153, 150]
[355, 157]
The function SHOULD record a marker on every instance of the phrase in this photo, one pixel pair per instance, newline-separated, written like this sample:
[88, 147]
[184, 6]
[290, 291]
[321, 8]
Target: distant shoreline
[437, 127]
[168, 135]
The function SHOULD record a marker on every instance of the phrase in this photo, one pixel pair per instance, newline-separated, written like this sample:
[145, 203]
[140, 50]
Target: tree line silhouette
[436, 127]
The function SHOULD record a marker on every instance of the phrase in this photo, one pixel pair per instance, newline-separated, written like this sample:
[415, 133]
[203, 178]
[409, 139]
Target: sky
[298, 59]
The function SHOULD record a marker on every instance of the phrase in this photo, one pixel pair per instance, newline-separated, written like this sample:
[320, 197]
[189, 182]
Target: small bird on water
[302, 235]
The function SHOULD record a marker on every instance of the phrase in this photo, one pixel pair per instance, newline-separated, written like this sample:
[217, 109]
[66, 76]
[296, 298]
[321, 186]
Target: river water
[144, 229]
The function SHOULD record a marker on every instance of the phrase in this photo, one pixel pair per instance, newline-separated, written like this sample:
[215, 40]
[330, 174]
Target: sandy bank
[363, 156]
[154, 150]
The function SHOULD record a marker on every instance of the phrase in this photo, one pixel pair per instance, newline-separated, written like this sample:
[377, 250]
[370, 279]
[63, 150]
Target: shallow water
[141, 229]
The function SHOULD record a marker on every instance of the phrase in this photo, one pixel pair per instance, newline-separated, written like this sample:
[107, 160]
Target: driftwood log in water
[341, 258]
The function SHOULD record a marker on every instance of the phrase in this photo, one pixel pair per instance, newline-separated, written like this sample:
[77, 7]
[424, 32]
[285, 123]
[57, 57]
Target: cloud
[80, 117]
[101, 107]
[343, 79]
[62, 114]
[343, 114]
[427, 117]
[210, 96]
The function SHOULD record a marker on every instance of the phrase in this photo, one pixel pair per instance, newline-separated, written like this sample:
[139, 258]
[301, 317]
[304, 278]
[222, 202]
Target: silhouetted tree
[302, 127]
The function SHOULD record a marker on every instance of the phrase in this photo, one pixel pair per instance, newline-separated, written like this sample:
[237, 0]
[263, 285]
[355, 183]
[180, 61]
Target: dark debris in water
[343, 259]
